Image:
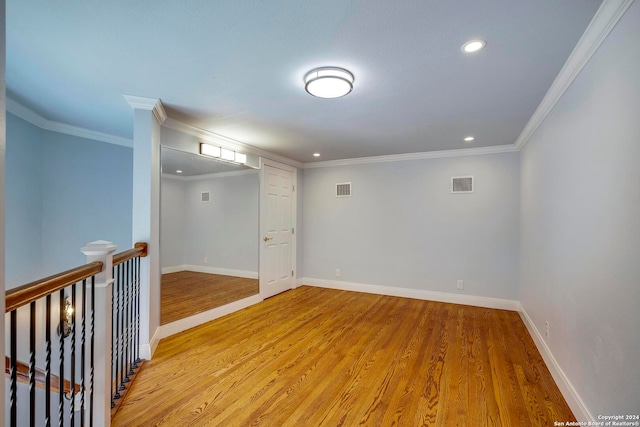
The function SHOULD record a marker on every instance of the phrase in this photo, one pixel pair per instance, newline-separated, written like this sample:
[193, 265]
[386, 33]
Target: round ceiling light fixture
[328, 82]
[473, 46]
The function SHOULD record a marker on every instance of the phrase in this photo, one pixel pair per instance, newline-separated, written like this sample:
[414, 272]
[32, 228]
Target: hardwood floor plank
[185, 293]
[321, 357]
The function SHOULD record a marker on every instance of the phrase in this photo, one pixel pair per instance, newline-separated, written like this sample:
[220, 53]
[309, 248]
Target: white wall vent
[343, 189]
[462, 184]
[205, 196]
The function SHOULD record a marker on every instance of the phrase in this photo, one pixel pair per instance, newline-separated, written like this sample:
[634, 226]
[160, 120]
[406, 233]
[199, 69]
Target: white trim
[478, 301]
[603, 22]
[174, 269]
[210, 175]
[247, 274]
[570, 394]
[147, 350]
[496, 149]
[152, 104]
[207, 316]
[226, 142]
[23, 112]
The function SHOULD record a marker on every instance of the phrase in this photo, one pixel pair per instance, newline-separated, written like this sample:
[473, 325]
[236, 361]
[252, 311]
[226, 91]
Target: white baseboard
[173, 269]
[207, 316]
[501, 304]
[211, 270]
[147, 350]
[566, 388]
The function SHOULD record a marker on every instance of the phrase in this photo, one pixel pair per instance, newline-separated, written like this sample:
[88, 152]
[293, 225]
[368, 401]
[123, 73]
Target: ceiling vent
[205, 197]
[343, 189]
[462, 184]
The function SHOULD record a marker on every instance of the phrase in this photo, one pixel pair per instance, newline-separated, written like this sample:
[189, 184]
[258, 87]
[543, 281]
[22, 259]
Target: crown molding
[226, 142]
[23, 112]
[496, 149]
[603, 22]
[210, 175]
[151, 104]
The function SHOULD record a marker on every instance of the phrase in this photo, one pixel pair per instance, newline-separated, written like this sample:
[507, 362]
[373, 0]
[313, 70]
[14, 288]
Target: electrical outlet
[460, 284]
[337, 272]
[546, 328]
[205, 260]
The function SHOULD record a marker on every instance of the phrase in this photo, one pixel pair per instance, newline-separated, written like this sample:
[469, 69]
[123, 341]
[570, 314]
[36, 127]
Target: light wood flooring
[186, 293]
[321, 357]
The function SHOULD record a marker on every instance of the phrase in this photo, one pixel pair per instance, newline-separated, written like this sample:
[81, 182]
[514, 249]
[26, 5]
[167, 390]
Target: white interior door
[277, 221]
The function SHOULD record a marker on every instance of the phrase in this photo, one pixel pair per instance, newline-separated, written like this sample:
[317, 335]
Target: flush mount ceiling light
[316, 154]
[469, 139]
[328, 82]
[473, 46]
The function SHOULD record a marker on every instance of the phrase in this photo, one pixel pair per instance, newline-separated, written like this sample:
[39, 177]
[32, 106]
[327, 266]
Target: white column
[101, 251]
[148, 116]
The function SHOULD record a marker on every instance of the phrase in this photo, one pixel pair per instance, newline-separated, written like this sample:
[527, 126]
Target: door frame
[294, 241]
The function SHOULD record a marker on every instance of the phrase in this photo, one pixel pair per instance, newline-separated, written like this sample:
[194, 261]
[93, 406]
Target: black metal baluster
[113, 310]
[137, 310]
[13, 369]
[82, 349]
[61, 372]
[92, 352]
[32, 364]
[72, 325]
[122, 326]
[47, 363]
[131, 310]
[127, 329]
[117, 333]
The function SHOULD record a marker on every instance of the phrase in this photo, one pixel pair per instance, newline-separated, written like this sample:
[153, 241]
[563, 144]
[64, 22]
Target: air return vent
[462, 184]
[343, 189]
[205, 197]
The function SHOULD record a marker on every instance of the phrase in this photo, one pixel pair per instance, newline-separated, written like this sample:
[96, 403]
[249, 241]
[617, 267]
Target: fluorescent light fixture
[228, 154]
[316, 154]
[241, 158]
[469, 139]
[473, 46]
[328, 82]
[178, 171]
[209, 150]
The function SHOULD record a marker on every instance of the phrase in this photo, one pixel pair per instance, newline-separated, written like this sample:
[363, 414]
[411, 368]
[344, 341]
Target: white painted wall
[172, 222]
[403, 228]
[580, 226]
[225, 230]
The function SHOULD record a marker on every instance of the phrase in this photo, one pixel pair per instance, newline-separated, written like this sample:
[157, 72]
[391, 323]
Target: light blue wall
[23, 202]
[403, 228]
[87, 196]
[580, 226]
[62, 192]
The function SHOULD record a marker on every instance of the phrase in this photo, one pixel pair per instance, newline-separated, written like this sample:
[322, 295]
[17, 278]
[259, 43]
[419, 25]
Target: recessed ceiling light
[316, 154]
[473, 46]
[469, 139]
[178, 171]
[328, 82]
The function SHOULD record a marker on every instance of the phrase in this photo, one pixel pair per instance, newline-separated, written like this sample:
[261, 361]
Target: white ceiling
[235, 68]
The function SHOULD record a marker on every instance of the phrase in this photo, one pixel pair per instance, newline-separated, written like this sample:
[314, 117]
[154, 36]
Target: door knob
[266, 239]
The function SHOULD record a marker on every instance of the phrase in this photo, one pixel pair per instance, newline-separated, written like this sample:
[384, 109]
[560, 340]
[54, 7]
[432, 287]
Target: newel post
[102, 251]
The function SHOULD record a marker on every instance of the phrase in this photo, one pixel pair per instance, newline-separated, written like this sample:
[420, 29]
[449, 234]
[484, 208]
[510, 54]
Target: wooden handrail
[22, 373]
[139, 249]
[23, 295]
